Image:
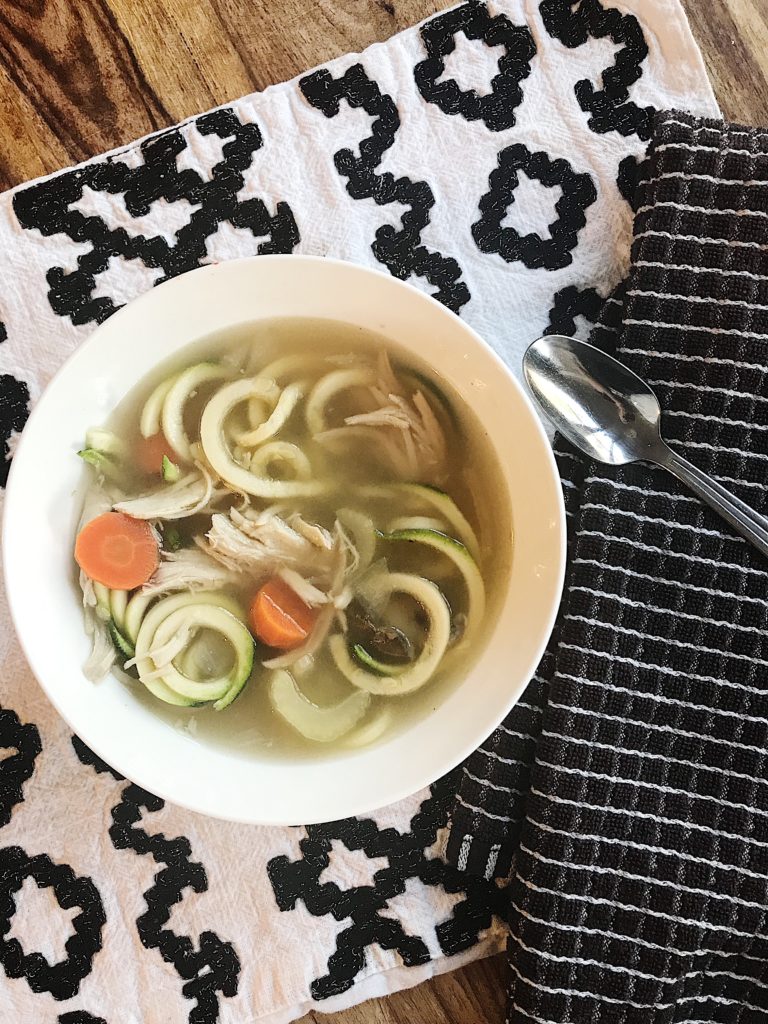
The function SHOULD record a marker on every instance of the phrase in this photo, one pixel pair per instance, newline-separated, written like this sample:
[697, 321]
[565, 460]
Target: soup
[297, 517]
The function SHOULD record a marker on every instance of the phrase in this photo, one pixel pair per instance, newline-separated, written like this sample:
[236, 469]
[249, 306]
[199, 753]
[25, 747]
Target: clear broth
[251, 727]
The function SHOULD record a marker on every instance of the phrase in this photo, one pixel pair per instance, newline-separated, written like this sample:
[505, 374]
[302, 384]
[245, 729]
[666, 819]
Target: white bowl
[41, 514]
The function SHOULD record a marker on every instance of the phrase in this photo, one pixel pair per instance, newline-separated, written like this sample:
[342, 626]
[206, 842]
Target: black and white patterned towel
[631, 784]
[485, 157]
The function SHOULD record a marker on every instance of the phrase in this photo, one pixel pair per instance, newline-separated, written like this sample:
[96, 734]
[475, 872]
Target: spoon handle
[741, 517]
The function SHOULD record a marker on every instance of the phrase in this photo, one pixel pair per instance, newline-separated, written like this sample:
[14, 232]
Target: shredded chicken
[421, 437]
[351, 554]
[315, 534]
[337, 597]
[263, 544]
[378, 444]
[188, 569]
[402, 430]
[89, 594]
[386, 416]
[103, 654]
[190, 495]
[308, 592]
[163, 656]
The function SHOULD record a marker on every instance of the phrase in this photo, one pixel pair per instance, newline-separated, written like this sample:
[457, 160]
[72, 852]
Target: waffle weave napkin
[630, 787]
[484, 157]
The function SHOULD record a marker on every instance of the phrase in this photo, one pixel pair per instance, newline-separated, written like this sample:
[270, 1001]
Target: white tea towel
[484, 157]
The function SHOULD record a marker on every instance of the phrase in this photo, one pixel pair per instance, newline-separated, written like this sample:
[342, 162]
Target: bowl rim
[414, 783]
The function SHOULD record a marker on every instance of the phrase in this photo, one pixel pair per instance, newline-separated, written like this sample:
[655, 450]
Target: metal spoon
[611, 414]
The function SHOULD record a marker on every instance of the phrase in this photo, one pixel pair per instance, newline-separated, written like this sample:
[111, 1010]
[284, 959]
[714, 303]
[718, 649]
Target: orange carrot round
[149, 453]
[117, 550]
[279, 617]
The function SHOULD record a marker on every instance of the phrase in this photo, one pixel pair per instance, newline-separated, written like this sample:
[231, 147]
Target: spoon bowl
[593, 400]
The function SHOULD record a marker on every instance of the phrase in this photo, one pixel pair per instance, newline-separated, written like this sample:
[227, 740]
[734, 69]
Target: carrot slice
[117, 550]
[149, 453]
[279, 617]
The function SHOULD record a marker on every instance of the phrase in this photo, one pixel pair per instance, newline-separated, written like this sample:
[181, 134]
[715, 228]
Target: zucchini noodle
[327, 388]
[323, 724]
[401, 679]
[179, 393]
[221, 459]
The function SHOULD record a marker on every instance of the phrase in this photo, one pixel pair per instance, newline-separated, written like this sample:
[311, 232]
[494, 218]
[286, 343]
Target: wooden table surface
[81, 76]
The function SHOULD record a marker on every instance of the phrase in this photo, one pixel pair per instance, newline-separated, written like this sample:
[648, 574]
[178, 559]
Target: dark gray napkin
[628, 792]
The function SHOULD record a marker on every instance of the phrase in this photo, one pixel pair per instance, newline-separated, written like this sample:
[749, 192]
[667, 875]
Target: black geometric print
[214, 966]
[87, 757]
[407, 858]
[16, 769]
[497, 109]
[14, 412]
[573, 22]
[578, 193]
[47, 207]
[630, 170]
[61, 979]
[401, 250]
[80, 1017]
[569, 303]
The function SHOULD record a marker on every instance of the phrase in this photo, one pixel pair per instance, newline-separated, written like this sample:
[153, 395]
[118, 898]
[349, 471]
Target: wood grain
[78, 77]
[733, 37]
[74, 65]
